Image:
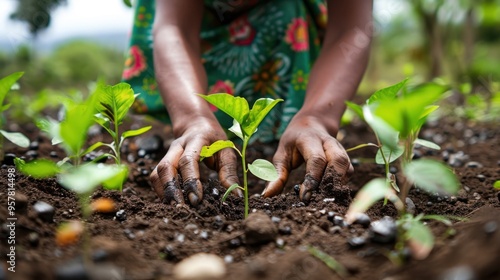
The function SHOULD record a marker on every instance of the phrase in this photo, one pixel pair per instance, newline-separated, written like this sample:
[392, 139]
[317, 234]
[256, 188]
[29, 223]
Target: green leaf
[329, 261]
[438, 218]
[93, 147]
[131, 133]
[387, 135]
[128, 3]
[372, 192]
[16, 138]
[85, 178]
[432, 176]
[388, 93]
[52, 128]
[390, 155]
[235, 107]
[420, 239]
[229, 190]
[116, 182]
[263, 169]
[208, 151]
[40, 168]
[428, 144]
[236, 129]
[496, 185]
[114, 102]
[6, 84]
[259, 111]
[356, 109]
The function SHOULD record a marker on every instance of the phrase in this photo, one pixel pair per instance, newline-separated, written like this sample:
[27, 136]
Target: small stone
[473, 164]
[94, 130]
[298, 205]
[100, 255]
[476, 196]
[355, 162]
[331, 215]
[229, 228]
[74, 269]
[328, 199]
[481, 177]
[130, 158]
[34, 239]
[275, 219]
[129, 234]
[150, 144]
[280, 243]
[141, 153]
[322, 211]
[8, 159]
[144, 172]
[121, 215]
[410, 206]
[393, 169]
[53, 154]
[334, 230]
[191, 227]
[200, 266]
[296, 189]
[356, 242]
[34, 145]
[228, 259]
[170, 253]
[383, 230]
[44, 211]
[180, 238]
[204, 234]
[215, 193]
[429, 203]
[339, 221]
[218, 222]
[234, 243]
[463, 272]
[285, 230]
[490, 227]
[362, 219]
[259, 229]
[417, 154]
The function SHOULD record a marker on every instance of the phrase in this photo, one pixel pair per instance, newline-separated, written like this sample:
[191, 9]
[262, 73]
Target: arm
[335, 76]
[180, 74]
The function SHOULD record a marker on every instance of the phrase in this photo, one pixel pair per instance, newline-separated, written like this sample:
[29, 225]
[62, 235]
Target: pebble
[334, 230]
[463, 272]
[150, 144]
[191, 227]
[393, 169]
[228, 259]
[473, 164]
[218, 222]
[481, 177]
[130, 158]
[259, 229]
[34, 145]
[144, 172]
[34, 239]
[121, 215]
[410, 206]
[331, 215]
[141, 153]
[296, 189]
[356, 242]
[280, 243]
[180, 238]
[417, 154]
[476, 196]
[204, 234]
[234, 243]
[331, 199]
[170, 252]
[458, 159]
[490, 227]
[53, 154]
[44, 211]
[100, 255]
[339, 221]
[285, 230]
[362, 219]
[355, 162]
[74, 269]
[8, 159]
[275, 219]
[215, 193]
[383, 230]
[200, 266]
[129, 234]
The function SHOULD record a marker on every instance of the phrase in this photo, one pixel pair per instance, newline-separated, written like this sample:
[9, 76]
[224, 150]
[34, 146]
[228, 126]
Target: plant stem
[362, 146]
[117, 145]
[1, 149]
[245, 171]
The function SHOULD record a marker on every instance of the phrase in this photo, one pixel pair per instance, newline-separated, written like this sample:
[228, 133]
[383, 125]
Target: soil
[147, 238]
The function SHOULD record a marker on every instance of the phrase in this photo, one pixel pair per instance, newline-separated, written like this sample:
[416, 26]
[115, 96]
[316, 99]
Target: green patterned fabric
[250, 48]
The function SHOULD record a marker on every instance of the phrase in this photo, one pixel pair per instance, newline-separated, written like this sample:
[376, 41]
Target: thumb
[282, 165]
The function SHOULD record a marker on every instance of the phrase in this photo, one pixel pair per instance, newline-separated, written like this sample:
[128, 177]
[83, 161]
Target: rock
[32, 154]
[130, 158]
[34, 145]
[463, 272]
[53, 154]
[234, 243]
[355, 162]
[410, 206]
[8, 159]
[339, 221]
[275, 219]
[200, 266]
[150, 144]
[356, 242]
[481, 177]
[362, 219]
[33, 239]
[121, 215]
[129, 234]
[383, 230]
[100, 255]
[218, 222]
[296, 189]
[334, 230]
[285, 230]
[73, 270]
[490, 227]
[215, 193]
[204, 234]
[330, 215]
[180, 238]
[259, 229]
[473, 164]
[393, 169]
[44, 211]
[280, 243]
[228, 259]
[328, 199]
[191, 227]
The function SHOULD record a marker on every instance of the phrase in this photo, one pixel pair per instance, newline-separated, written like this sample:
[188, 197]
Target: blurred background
[63, 45]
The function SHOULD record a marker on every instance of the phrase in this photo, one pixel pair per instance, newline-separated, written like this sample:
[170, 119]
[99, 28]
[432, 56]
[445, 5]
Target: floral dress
[250, 48]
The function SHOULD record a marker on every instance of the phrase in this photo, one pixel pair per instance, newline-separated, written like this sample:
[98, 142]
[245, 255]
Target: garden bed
[146, 238]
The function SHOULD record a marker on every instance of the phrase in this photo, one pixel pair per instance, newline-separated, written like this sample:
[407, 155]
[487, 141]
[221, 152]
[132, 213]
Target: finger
[190, 172]
[338, 160]
[314, 156]
[164, 177]
[282, 161]
[225, 165]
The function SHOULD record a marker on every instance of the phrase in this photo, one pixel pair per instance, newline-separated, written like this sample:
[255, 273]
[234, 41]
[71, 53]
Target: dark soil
[150, 238]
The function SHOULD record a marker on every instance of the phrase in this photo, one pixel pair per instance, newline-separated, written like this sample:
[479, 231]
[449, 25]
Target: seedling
[245, 123]
[14, 137]
[113, 104]
[396, 121]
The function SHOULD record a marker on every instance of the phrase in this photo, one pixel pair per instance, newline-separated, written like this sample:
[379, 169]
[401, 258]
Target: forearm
[339, 68]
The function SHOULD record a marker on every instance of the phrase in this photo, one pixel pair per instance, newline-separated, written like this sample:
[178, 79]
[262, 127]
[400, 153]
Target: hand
[308, 140]
[183, 157]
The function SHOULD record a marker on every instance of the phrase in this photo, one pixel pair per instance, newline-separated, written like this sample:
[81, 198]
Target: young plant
[245, 123]
[113, 104]
[396, 121]
[14, 137]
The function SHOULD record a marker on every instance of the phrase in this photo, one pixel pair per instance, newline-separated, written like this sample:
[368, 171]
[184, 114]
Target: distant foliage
[35, 13]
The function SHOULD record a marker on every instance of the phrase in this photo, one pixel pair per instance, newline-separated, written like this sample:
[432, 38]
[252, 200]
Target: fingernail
[193, 199]
[306, 197]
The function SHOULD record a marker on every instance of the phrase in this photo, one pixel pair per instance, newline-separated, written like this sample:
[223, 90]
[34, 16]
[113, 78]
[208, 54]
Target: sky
[78, 18]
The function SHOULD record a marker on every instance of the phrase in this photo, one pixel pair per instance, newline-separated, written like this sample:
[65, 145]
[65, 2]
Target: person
[311, 53]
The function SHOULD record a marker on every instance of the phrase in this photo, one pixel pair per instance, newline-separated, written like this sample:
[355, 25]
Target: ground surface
[150, 238]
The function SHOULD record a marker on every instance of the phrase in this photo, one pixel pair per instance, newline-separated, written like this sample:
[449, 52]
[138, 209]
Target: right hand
[183, 158]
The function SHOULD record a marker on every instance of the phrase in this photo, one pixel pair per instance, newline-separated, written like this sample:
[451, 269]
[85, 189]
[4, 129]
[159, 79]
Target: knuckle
[317, 161]
[187, 159]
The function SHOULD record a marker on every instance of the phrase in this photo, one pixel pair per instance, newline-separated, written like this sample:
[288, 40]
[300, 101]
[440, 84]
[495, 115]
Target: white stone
[200, 266]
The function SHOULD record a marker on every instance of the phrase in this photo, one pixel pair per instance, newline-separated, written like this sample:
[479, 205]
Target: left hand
[307, 139]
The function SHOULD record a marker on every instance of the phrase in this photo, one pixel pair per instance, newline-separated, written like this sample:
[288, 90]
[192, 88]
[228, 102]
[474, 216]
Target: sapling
[245, 123]
[396, 121]
[14, 137]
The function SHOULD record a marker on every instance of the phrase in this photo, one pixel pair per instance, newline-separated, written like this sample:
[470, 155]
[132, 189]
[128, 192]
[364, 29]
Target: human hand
[308, 140]
[183, 158]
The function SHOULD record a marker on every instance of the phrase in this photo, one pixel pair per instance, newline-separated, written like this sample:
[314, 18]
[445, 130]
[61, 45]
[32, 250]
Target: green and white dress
[250, 48]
